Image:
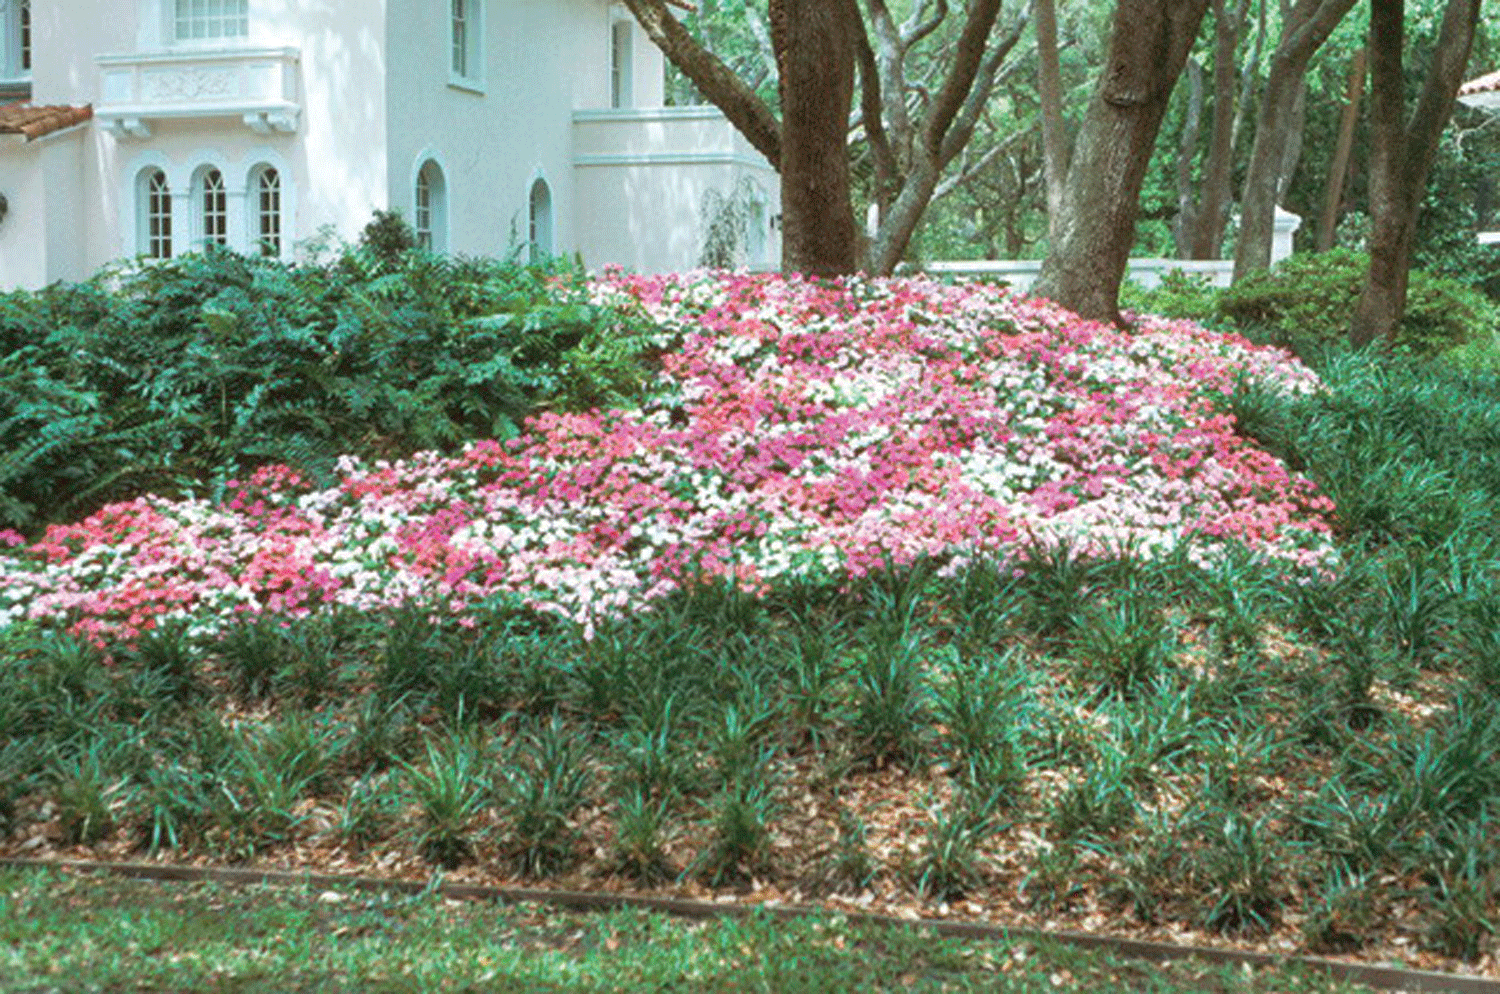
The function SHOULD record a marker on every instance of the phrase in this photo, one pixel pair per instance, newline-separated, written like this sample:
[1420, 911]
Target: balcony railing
[256, 85]
[667, 136]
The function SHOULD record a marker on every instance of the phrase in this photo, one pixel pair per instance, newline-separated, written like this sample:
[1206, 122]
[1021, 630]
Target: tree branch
[872, 115]
[967, 62]
[715, 80]
[962, 127]
[915, 29]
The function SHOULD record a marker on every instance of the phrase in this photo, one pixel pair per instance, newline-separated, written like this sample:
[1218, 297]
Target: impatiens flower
[794, 429]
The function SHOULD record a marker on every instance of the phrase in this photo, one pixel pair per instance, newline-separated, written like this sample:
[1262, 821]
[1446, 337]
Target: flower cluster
[795, 429]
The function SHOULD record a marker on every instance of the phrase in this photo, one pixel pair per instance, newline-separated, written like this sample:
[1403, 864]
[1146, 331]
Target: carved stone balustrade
[256, 85]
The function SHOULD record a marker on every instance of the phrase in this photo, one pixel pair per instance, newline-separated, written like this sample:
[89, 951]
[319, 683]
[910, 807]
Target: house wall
[332, 172]
[651, 181]
[493, 140]
[346, 100]
[23, 232]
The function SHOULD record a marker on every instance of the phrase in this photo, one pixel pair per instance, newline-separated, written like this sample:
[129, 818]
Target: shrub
[169, 377]
[1310, 298]
[1180, 295]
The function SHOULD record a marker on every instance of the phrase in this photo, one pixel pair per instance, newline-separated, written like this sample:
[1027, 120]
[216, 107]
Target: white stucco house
[153, 127]
[1484, 93]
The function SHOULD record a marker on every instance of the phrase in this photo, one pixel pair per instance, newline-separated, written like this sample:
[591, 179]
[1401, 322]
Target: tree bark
[946, 128]
[1187, 151]
[1054, 131]
[1401, 154]
[1149, 43]
[1338, 171]
[1213, 204]
[816, 48]
[1307, 26]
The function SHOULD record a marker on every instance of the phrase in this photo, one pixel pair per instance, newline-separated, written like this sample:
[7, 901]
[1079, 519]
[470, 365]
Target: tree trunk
[1149, 43]
[1401, 154]
[1307, 27]
[1338, 171]
[1187, 151]
[1054, 131]
[1213, 204]
[816, 47]
[818, 44]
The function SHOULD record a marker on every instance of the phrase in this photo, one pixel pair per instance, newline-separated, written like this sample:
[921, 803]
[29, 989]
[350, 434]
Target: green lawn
[61, 932]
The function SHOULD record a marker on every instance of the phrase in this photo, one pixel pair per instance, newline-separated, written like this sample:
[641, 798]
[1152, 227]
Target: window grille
[462, 25]
[268, 212]
[621, 70]
[215, 206]
[200, 20]
[158, 216]
[424, 210]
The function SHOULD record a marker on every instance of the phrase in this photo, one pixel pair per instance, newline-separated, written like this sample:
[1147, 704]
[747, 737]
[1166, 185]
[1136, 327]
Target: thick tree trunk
[818, 44]
[1401, 154]
[1307, 27]
[1149, 43]
[816, 47]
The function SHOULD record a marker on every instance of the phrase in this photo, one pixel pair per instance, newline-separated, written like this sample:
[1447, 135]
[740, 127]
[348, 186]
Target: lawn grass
[97, 933]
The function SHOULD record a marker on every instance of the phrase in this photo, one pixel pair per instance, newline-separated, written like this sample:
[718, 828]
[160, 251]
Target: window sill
[466, 84]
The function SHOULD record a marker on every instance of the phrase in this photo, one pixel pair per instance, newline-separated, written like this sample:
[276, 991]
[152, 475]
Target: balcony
[660, 136]
[258, 86]
[652, 182]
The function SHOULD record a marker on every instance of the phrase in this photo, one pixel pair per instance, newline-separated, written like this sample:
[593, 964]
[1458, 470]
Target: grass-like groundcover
[93, 933]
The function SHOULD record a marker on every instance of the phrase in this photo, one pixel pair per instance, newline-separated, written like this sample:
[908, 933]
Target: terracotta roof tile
[1484, 84]
[34, 122]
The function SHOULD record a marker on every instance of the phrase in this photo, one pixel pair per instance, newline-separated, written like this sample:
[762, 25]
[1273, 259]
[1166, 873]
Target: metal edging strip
[1383, 977]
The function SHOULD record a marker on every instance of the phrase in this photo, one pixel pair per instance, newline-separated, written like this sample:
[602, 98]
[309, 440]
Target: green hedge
[169, 377]
[1309, 299]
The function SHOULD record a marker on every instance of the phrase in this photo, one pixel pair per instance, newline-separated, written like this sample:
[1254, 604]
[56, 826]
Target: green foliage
[739, 840]
[951, 862]
[450, 792]
[539, 790]
[1180, 295]
[178, 376]
[640, 837]
[1308, 300]
[388, 237]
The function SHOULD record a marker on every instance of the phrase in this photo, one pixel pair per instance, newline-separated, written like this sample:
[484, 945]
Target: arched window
[265, 211]
[541, 220]
[430, 212]
[154, 214]
[213, 207]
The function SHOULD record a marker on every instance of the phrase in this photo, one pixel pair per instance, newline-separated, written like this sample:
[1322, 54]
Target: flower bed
[795, 429]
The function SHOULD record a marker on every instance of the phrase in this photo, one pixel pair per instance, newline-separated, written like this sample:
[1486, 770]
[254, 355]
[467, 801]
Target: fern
[178, 374]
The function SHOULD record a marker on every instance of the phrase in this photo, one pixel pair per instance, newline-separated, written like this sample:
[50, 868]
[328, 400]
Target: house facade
[155, 127]
[1484, 93]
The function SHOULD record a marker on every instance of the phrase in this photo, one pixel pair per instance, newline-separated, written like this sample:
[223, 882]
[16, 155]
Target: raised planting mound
[795, 430]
